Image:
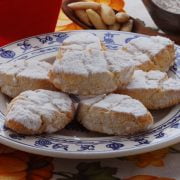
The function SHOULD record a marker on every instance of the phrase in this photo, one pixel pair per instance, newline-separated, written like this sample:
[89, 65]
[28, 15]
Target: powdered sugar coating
[34, 69]
[92, 61]
[154, 89]
[153, 80]
[150, 53]
[40, 111]
[146, 80]
[18, 76]
[87, 72]
[117, 103]
[136, 57]
[150, 46]
[171, 84]
[114, 114]
[80, 42]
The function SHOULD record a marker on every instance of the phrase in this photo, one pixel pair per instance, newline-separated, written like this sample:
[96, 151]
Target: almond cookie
[39, 111]
[154, 89]
[90, 72]
[158, 52]
[81, 41]
[114, 114]
[19, 76]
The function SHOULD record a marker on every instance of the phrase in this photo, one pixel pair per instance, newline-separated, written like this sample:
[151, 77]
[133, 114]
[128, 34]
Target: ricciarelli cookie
[91, 72]
[19, 76]
[79, 42]
[150, 53]
[154, 89]
[114, 114]
[39, 111]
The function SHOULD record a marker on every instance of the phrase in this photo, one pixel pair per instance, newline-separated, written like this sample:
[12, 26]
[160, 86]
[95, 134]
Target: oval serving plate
[74, 141]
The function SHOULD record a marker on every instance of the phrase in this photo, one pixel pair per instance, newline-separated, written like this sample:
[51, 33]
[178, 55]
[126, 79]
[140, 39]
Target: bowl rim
[166, 11]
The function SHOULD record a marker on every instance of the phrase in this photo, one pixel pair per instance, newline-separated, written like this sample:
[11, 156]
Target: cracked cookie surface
[154, 89]
[150, 53]
[82, 67]
[90, 72]
[19, 76]
[80, 42]
[39, 111]
[114, 114]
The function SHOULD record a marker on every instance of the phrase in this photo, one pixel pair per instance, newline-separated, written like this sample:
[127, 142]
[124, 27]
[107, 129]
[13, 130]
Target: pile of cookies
[118, 86]
[101, 16]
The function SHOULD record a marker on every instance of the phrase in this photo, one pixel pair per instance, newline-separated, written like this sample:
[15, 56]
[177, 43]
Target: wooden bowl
[167, 21]
[71, 15]
[138, 25]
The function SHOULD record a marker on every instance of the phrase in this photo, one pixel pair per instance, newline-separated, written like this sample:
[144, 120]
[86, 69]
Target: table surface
[163, 164]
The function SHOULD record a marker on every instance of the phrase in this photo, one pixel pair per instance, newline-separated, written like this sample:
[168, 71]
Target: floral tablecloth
[162, 164]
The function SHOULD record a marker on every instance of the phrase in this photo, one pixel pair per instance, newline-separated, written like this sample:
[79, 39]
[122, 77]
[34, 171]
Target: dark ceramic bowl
[167, 21]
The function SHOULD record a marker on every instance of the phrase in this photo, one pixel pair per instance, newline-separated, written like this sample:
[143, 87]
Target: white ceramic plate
[75, 141]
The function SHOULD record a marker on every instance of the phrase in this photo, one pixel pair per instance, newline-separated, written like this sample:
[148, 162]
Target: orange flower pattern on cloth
[146, 177]
[65, 24]
[23, 166]
[96, 171]
[154, 158]
[18, 165]
[118, 5]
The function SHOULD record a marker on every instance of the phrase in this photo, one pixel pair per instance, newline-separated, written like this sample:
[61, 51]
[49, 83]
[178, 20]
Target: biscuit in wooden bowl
[39, 111]
[114, 114]
[154, 89]
[19, 76]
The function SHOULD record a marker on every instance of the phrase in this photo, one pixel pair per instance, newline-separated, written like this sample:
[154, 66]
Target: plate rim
[91, 155]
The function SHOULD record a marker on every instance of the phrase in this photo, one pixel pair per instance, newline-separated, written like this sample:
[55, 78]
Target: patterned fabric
[157, 165]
